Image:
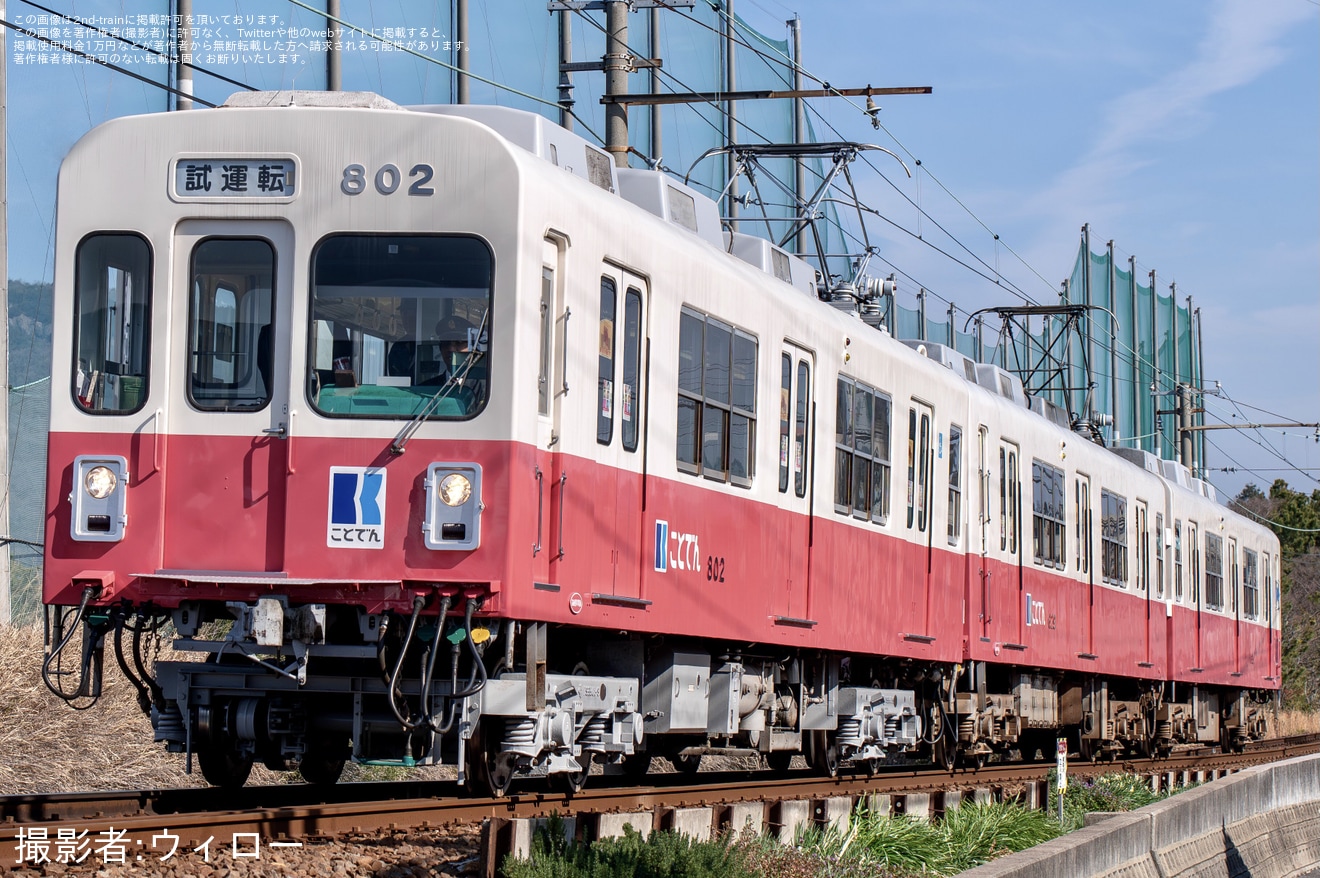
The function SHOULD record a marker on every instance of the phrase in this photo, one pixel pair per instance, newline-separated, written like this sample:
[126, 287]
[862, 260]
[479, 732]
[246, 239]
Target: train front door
[227, 415]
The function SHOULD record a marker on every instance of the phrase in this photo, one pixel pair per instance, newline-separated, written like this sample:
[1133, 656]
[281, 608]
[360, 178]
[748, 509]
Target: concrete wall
[1263, 822]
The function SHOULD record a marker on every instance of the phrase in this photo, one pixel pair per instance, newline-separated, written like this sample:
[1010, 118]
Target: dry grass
[1297, 722]
[49, 747]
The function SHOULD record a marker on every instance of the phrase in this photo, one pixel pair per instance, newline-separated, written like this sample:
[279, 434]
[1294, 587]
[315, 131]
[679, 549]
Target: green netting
[29, 422]
[1145, 368]
[909, 323]
[965, 343]
[1100, 332]
[1126, 411]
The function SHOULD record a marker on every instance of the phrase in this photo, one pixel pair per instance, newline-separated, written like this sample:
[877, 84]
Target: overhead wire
[159, 54]
[468, 73]
[786, 60]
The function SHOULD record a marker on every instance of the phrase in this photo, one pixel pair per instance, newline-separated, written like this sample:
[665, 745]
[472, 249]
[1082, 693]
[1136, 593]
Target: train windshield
[400, 326]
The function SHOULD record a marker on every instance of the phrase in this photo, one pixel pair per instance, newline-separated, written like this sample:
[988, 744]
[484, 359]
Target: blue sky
[1186, 131]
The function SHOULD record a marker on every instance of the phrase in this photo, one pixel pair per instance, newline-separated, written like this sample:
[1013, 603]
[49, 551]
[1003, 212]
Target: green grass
[1109, 792]
[966, 837]
[660, 855]
[873, 845]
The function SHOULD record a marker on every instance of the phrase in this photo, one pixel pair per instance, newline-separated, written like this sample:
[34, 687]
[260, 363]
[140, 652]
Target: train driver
[454, 336]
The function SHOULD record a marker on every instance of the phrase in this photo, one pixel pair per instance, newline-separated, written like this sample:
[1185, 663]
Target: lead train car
[434, 436]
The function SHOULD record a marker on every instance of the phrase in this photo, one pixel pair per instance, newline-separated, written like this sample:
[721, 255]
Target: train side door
[1010, 608]
[620, 437]
[796, 368]
[1234, 596]
[551, 386]
[1082, 505]
[920, 505]
[1194, 549]
[982, 576]
[228, 412]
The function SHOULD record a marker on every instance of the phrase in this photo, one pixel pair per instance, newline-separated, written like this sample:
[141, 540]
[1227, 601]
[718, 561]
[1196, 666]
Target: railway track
[299, 811]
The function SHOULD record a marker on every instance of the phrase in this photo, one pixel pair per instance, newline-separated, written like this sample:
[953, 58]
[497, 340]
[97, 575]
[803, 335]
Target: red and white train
[435, 436]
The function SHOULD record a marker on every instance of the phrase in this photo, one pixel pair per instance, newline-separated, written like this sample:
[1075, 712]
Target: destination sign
[216, 178]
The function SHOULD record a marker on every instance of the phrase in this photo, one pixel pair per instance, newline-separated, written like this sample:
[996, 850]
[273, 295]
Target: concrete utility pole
[799, 128]
[334, 74]
[616, 64]
[461, 26]
[565, 76]
[183, 50]
[6, 605]
[731, 112]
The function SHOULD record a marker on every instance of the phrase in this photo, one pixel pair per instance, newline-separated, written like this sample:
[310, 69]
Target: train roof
[683, 207]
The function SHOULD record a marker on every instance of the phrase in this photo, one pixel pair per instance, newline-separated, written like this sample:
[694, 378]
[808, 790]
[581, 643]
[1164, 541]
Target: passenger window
[1159, 555]
[716, 425]
[862, 451]
[632, 358]
[1048, 503]
[785, 418]
[605, 396]
[400, 326]
[230, 336]
[1177, 560]
[1251, 584]
[1013, 504]
[112, 324]
[955, 484]
[1214, 571]
[800, 458]
[1113, 538]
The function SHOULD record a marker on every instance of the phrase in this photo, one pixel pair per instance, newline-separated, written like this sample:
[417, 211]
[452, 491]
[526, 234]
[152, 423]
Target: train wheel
[945, 752]
[486, 771]
[574, 781]
[779, 760]
[823, 753]
[687, 764]
[223, 766]
[636, 766]
[1088, 749]
[324, 761]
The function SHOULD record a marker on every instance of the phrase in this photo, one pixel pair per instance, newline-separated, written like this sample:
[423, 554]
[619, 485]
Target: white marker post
[1062, 772]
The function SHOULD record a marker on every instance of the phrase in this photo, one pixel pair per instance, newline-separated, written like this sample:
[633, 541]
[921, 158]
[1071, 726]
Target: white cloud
[1241, 43]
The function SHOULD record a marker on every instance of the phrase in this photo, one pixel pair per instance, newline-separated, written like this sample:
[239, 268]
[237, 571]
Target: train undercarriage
[313, 686]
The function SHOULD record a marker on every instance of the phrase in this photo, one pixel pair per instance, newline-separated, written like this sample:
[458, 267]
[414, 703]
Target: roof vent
[661, 195]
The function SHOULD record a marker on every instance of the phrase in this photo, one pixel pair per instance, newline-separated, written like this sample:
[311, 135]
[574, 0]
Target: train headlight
[453, 507]
[99, 498]
[100, 482]
[455, 489]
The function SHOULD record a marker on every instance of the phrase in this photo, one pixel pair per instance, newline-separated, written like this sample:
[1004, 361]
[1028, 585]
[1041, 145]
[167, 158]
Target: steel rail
[303, 811]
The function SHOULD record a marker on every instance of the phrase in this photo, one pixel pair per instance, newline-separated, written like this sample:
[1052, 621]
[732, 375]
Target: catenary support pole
[616, 80]
[565, 76]
[461, 28]
[657, 142]
[799, 128]
[183, 54]
[731, 110]
[334, 74]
